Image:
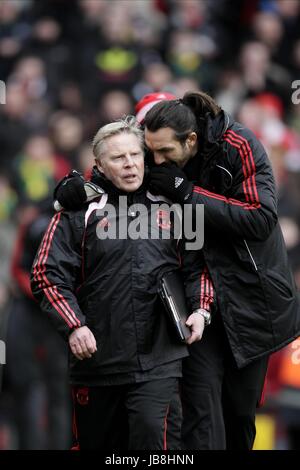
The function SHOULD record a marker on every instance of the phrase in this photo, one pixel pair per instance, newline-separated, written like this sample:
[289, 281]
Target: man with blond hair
[100, 289]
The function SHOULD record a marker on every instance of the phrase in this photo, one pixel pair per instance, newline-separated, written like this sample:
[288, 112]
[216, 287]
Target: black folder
[171, 291]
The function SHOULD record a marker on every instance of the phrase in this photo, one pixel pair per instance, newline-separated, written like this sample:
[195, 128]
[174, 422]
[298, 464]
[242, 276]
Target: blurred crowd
[71, 66]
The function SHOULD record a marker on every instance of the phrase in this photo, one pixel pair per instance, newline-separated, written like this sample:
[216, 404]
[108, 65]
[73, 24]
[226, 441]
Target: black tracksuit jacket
[111, 285]
[244, 249]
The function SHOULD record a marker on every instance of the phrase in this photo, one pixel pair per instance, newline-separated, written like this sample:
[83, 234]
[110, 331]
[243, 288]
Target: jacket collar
[216, 127]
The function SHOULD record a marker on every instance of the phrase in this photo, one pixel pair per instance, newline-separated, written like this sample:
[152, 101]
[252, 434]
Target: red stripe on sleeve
[246, 169]
[207, 291]
[50, 294]
[249, 153]
[64, 304]
[249, 170]
[219, 197]
[55, 298]
[202, 289]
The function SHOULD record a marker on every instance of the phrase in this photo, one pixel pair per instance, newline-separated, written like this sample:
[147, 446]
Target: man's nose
[129, 161]
[159, 159]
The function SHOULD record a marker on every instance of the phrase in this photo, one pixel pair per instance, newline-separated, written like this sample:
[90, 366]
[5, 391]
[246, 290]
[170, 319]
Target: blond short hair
[128, 124]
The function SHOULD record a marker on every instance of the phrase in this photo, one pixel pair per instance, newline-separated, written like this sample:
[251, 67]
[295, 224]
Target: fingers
[82, 350]
[83, 343]
[89, 345]
[196, 328]
[93, 343]
[193, 338]
[77, 351]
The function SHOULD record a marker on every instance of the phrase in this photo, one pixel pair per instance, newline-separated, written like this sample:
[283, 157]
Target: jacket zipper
[252, 259]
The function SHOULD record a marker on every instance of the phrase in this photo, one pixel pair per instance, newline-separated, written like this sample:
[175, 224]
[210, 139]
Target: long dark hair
[201, 104]
[183, 115]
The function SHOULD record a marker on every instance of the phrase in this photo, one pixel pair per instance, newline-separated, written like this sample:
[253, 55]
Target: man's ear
[99, 166]
[191, 139]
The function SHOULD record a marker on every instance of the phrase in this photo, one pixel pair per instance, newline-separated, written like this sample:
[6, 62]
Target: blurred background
[68, 67]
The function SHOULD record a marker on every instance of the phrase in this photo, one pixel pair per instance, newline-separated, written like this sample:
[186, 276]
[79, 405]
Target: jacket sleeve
[56, 271]
[199, 288]
[251, 209]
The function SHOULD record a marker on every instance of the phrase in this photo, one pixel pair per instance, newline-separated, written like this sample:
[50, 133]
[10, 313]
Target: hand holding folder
[172, 293]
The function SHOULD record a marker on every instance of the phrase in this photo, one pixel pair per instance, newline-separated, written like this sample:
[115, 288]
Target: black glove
[70, 191]
[169, 180]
